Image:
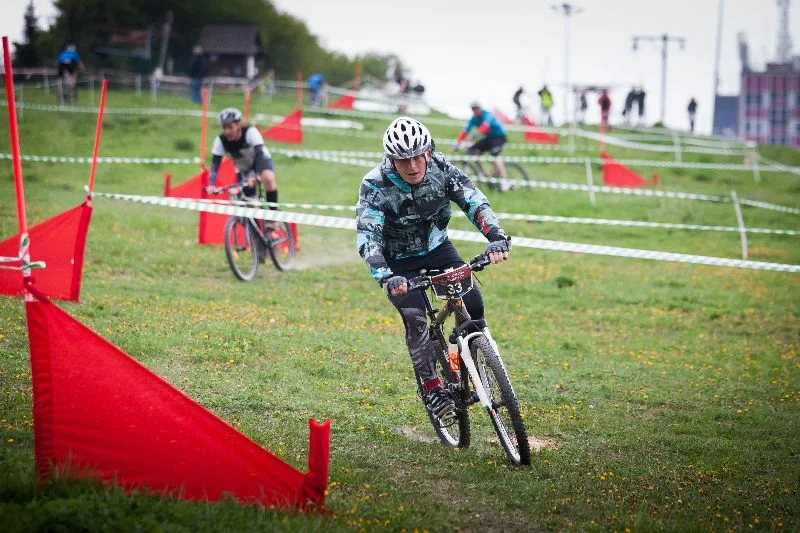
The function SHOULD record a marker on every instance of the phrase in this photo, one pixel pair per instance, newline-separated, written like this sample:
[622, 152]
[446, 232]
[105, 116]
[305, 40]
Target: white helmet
[406, 137]
[229, 115]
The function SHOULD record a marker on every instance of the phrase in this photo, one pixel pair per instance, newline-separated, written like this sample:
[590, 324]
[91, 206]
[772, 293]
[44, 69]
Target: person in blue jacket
[493, 138]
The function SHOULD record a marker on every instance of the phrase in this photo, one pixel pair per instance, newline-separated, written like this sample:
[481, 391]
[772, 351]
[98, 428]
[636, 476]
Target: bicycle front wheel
[241, 248]
[281, 246]
[504, 412]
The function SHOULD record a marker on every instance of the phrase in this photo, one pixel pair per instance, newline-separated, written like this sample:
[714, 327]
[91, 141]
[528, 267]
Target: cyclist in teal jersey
[493, 140]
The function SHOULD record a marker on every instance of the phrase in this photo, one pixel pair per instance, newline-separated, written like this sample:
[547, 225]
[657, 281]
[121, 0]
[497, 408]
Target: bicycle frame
[438, 317]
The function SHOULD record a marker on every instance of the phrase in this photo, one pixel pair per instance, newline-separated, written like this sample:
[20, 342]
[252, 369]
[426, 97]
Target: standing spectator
[639, 95]
[605, 109]
[315, 84]
[198, 69]
[268, 84]
[692, 109]
[518, 103]
[626, 112]
[546, 104]
[584, 105]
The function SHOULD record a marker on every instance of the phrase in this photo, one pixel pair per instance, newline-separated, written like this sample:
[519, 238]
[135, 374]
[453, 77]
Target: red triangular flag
[617, 175]
[502, 117]
[533, 135]
[345, 102]
[60, 242]
[289, 130]
[99, 412]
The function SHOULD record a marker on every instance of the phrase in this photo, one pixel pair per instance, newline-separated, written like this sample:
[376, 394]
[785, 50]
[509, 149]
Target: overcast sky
[466, 49]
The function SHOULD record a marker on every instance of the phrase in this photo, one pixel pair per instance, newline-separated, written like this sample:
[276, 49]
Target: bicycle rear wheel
[516, 173]
[241, 248]
[504, 412]
[455, 431]
[281, 246]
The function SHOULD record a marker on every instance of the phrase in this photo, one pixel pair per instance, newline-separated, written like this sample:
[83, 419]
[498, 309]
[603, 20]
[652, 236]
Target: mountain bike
[476, 373]
[68, 88]
[475, 169]
[248, 240]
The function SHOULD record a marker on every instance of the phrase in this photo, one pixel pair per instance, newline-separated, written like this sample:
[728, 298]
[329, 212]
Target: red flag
[289, 130]
[345, 102]
[502, 117]
[60, 242]
[617, 175]
[99, 412]
[533, 135]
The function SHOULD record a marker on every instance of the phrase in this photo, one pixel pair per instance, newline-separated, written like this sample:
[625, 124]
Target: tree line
[92, 25]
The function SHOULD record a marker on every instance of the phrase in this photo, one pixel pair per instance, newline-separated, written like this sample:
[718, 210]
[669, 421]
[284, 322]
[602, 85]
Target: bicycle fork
[466, 356]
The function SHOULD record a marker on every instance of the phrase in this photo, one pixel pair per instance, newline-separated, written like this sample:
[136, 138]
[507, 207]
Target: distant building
[726, 116]
[769, 104]
[232, 49]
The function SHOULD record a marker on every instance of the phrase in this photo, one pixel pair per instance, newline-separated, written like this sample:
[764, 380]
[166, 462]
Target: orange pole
[97, 133]
[203, 127]
[247, 99]
[14, 132]
[358, 76]
[299, 89]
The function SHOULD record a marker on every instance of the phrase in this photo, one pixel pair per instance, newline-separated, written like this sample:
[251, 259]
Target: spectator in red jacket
[605, 109]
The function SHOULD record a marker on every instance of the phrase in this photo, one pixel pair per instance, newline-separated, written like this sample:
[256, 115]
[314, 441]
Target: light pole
[720, 8]
[665, 40]
[567, 10]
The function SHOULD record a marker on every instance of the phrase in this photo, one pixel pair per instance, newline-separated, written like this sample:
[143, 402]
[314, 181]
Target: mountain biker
[244, 144]
[68, 63]
[402, 215]
[493, 142]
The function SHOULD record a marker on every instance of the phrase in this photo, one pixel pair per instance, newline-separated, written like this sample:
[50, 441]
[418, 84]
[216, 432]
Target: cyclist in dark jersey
[244, 144]
[401, 221]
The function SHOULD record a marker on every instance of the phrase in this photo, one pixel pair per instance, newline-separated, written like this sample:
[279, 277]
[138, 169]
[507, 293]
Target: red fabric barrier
[345, 102]
[98, 412]
[290, 130]
[535, 136]
[617, 175]
[60, 242]
[502, 117]
[211, 226]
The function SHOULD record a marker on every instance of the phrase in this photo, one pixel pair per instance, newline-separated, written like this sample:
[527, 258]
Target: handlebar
[476, 264]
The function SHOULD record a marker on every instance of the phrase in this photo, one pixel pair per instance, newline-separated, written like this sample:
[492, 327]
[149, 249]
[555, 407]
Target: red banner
[290, 130]
[60, 242]
[617, 175]
[98, 412]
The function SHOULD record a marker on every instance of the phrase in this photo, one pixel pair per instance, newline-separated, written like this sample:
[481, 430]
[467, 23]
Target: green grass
[666, 396]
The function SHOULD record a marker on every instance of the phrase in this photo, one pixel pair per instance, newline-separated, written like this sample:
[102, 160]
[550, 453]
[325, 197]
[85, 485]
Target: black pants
[421, 347]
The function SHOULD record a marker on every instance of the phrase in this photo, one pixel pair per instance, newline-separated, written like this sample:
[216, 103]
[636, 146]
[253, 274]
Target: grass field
[660, 396]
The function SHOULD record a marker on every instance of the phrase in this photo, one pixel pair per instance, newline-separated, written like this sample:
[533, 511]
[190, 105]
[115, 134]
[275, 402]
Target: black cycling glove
[393, 282]
[503, 245]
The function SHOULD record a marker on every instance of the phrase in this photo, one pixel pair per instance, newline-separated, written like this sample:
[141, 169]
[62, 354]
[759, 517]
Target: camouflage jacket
[396, 220]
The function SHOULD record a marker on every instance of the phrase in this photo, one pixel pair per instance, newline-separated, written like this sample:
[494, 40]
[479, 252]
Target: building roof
[237, 39]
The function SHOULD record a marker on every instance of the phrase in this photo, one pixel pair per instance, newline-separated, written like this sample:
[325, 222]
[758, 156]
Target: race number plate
[452, 284]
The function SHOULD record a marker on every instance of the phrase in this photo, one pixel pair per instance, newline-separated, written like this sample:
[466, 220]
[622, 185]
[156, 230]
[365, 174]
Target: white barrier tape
[111, 111]
[525, 217]
[107, 159]
[563, 132]
[334, 157]
[23, 258]
[525, 242]
[549, 160]
[610, 139]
